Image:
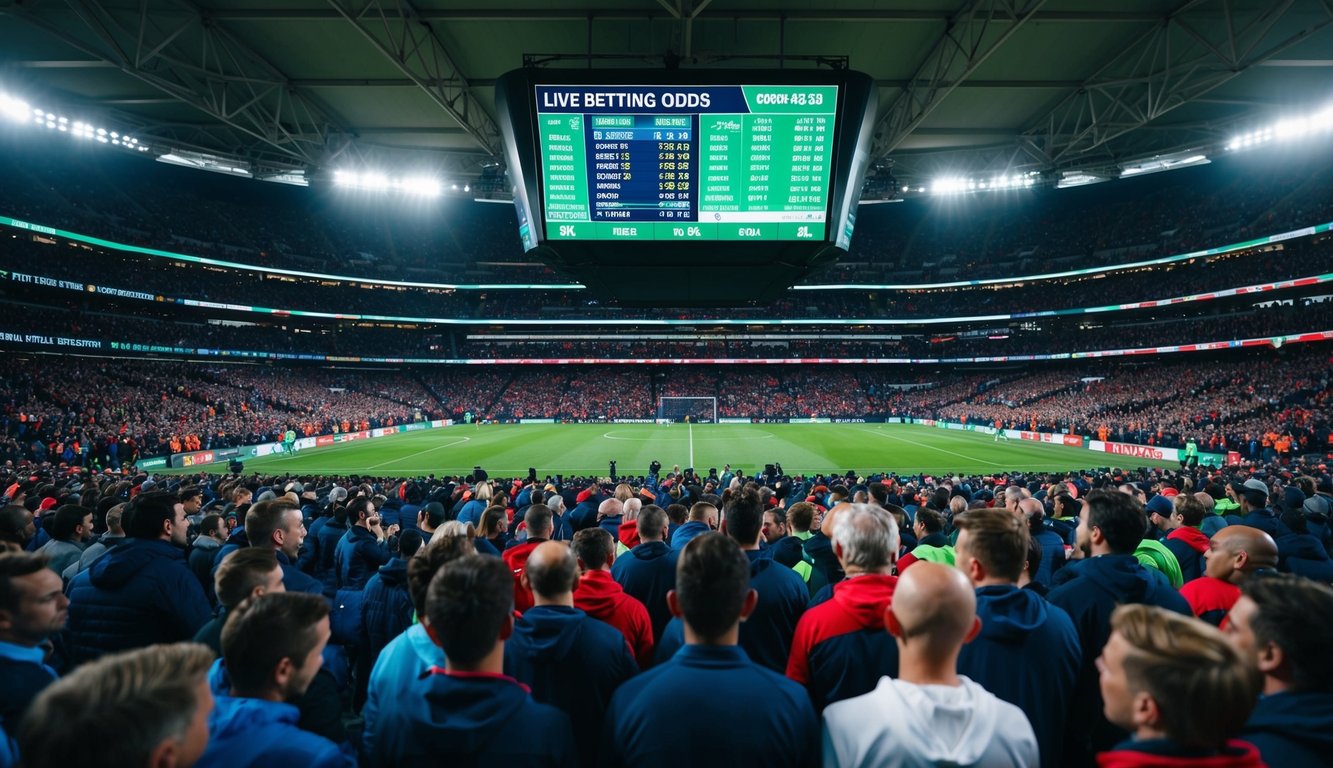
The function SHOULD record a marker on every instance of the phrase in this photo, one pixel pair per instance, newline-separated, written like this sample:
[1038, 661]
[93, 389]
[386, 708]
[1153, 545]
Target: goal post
[699, 410]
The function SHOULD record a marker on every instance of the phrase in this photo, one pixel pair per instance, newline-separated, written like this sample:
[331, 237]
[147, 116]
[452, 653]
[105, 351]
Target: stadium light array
[1289, 129]
[19, 111]
[956, 185]
[373, 181]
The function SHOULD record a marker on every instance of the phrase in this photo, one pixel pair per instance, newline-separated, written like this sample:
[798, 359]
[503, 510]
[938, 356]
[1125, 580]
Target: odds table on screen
[686, 162]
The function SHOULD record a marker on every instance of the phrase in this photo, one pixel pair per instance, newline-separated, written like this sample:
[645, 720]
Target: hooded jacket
[687, 532]
[23, 674]
[1304, 555]
[1161, 753]
[357, 557]
[516, 557]
[820, 549]
[387, 608]
[728, 712]
[766, 635]
[572, 662]
[400, 665]
[138, 594]
[1188, 545]
[1052, 556]
[1099, 585]
[251, 732]
[841, 648]
[326, 570]
[628, 534]
[1210, 598]
[1155, 555]
[599, 596]
[1292, 728]
[646, 573]
[1028, 655]
[468, 719]
[907, 725]
[203, 552]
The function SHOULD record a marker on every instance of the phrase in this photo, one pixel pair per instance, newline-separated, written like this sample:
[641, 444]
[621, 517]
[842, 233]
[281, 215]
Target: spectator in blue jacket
[766, 634]
[328, 535]
[147, 707]
[1111, 525]
[469, 710]
[362, 550]
[569, 659]
[142, 592]
[388, 605]
[710, 680]
[273, 647]
[702, 519]
[1027, 652]
[481, 498]
[278, 525]
[648, 571]
[33, 607]
[1283, 626]
[407, 657]
[1052, 544]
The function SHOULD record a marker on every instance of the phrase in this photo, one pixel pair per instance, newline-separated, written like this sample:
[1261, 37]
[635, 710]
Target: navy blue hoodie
[1304, 555]
[573, 662]
[473, 720]
[1098, 586]
[1293, 729]
[387, 608]
[766, 635]
[138, 594]
[1028, 655]
[687, 532]
[647, 573]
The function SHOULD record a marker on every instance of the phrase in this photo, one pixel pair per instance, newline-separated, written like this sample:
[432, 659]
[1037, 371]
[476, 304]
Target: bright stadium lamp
[15, 109]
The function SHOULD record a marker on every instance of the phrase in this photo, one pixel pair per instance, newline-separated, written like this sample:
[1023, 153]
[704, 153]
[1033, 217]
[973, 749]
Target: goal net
[699, 410]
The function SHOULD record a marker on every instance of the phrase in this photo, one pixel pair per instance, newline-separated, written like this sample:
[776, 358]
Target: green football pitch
[508, 450]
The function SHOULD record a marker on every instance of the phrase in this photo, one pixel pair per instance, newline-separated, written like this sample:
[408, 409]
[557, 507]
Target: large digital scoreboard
[743, 162]
[686, 186]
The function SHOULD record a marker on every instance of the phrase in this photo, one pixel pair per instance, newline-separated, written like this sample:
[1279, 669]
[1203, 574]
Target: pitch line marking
[419, 453]
[931, 447]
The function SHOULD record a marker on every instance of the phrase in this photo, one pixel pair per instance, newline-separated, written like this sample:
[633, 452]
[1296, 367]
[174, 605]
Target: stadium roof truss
[966, 86]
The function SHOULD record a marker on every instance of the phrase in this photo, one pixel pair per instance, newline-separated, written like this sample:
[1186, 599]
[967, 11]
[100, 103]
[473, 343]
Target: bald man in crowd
[1234, 553]
[929, 714]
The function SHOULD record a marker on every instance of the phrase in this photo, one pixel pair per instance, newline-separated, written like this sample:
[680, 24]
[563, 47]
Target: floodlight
[14, 109]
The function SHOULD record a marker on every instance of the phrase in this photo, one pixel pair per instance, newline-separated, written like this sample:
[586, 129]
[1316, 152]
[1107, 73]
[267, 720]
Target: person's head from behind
[865, 537]
[247, 572]
[157, 515]
[934, 611]
[801, 517]
[539, 520]
[1188, 511]
[1282, 625]
[992, 546]
[1166, 676]
[423, 567]
[273, 644]
[712, 594]
[211, 527]
[1237, 551]
[703, 512]
[144, 708]
[276, 524]
[551, 572]
[493, 522]
[595, 549]
[470, 611]
[652, 523]
[431, 516]
[33, 605]
[743, 519]
[409, 544]
[1111, 523]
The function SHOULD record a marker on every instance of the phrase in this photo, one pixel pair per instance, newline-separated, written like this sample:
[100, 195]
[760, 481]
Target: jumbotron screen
[686, 162]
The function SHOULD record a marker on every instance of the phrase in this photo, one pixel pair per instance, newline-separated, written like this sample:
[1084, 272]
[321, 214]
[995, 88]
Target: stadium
[880, 298]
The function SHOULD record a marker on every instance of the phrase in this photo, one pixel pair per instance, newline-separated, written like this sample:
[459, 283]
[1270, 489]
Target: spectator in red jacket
[599, 596]
[537, 521]
[1234, 553]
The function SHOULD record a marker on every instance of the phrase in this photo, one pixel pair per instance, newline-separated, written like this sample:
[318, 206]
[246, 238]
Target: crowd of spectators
[101, 412]
[1100, 617]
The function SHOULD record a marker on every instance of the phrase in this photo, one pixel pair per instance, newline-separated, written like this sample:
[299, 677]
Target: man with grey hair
[840, 648]
[1012, 496]
[560, 527]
